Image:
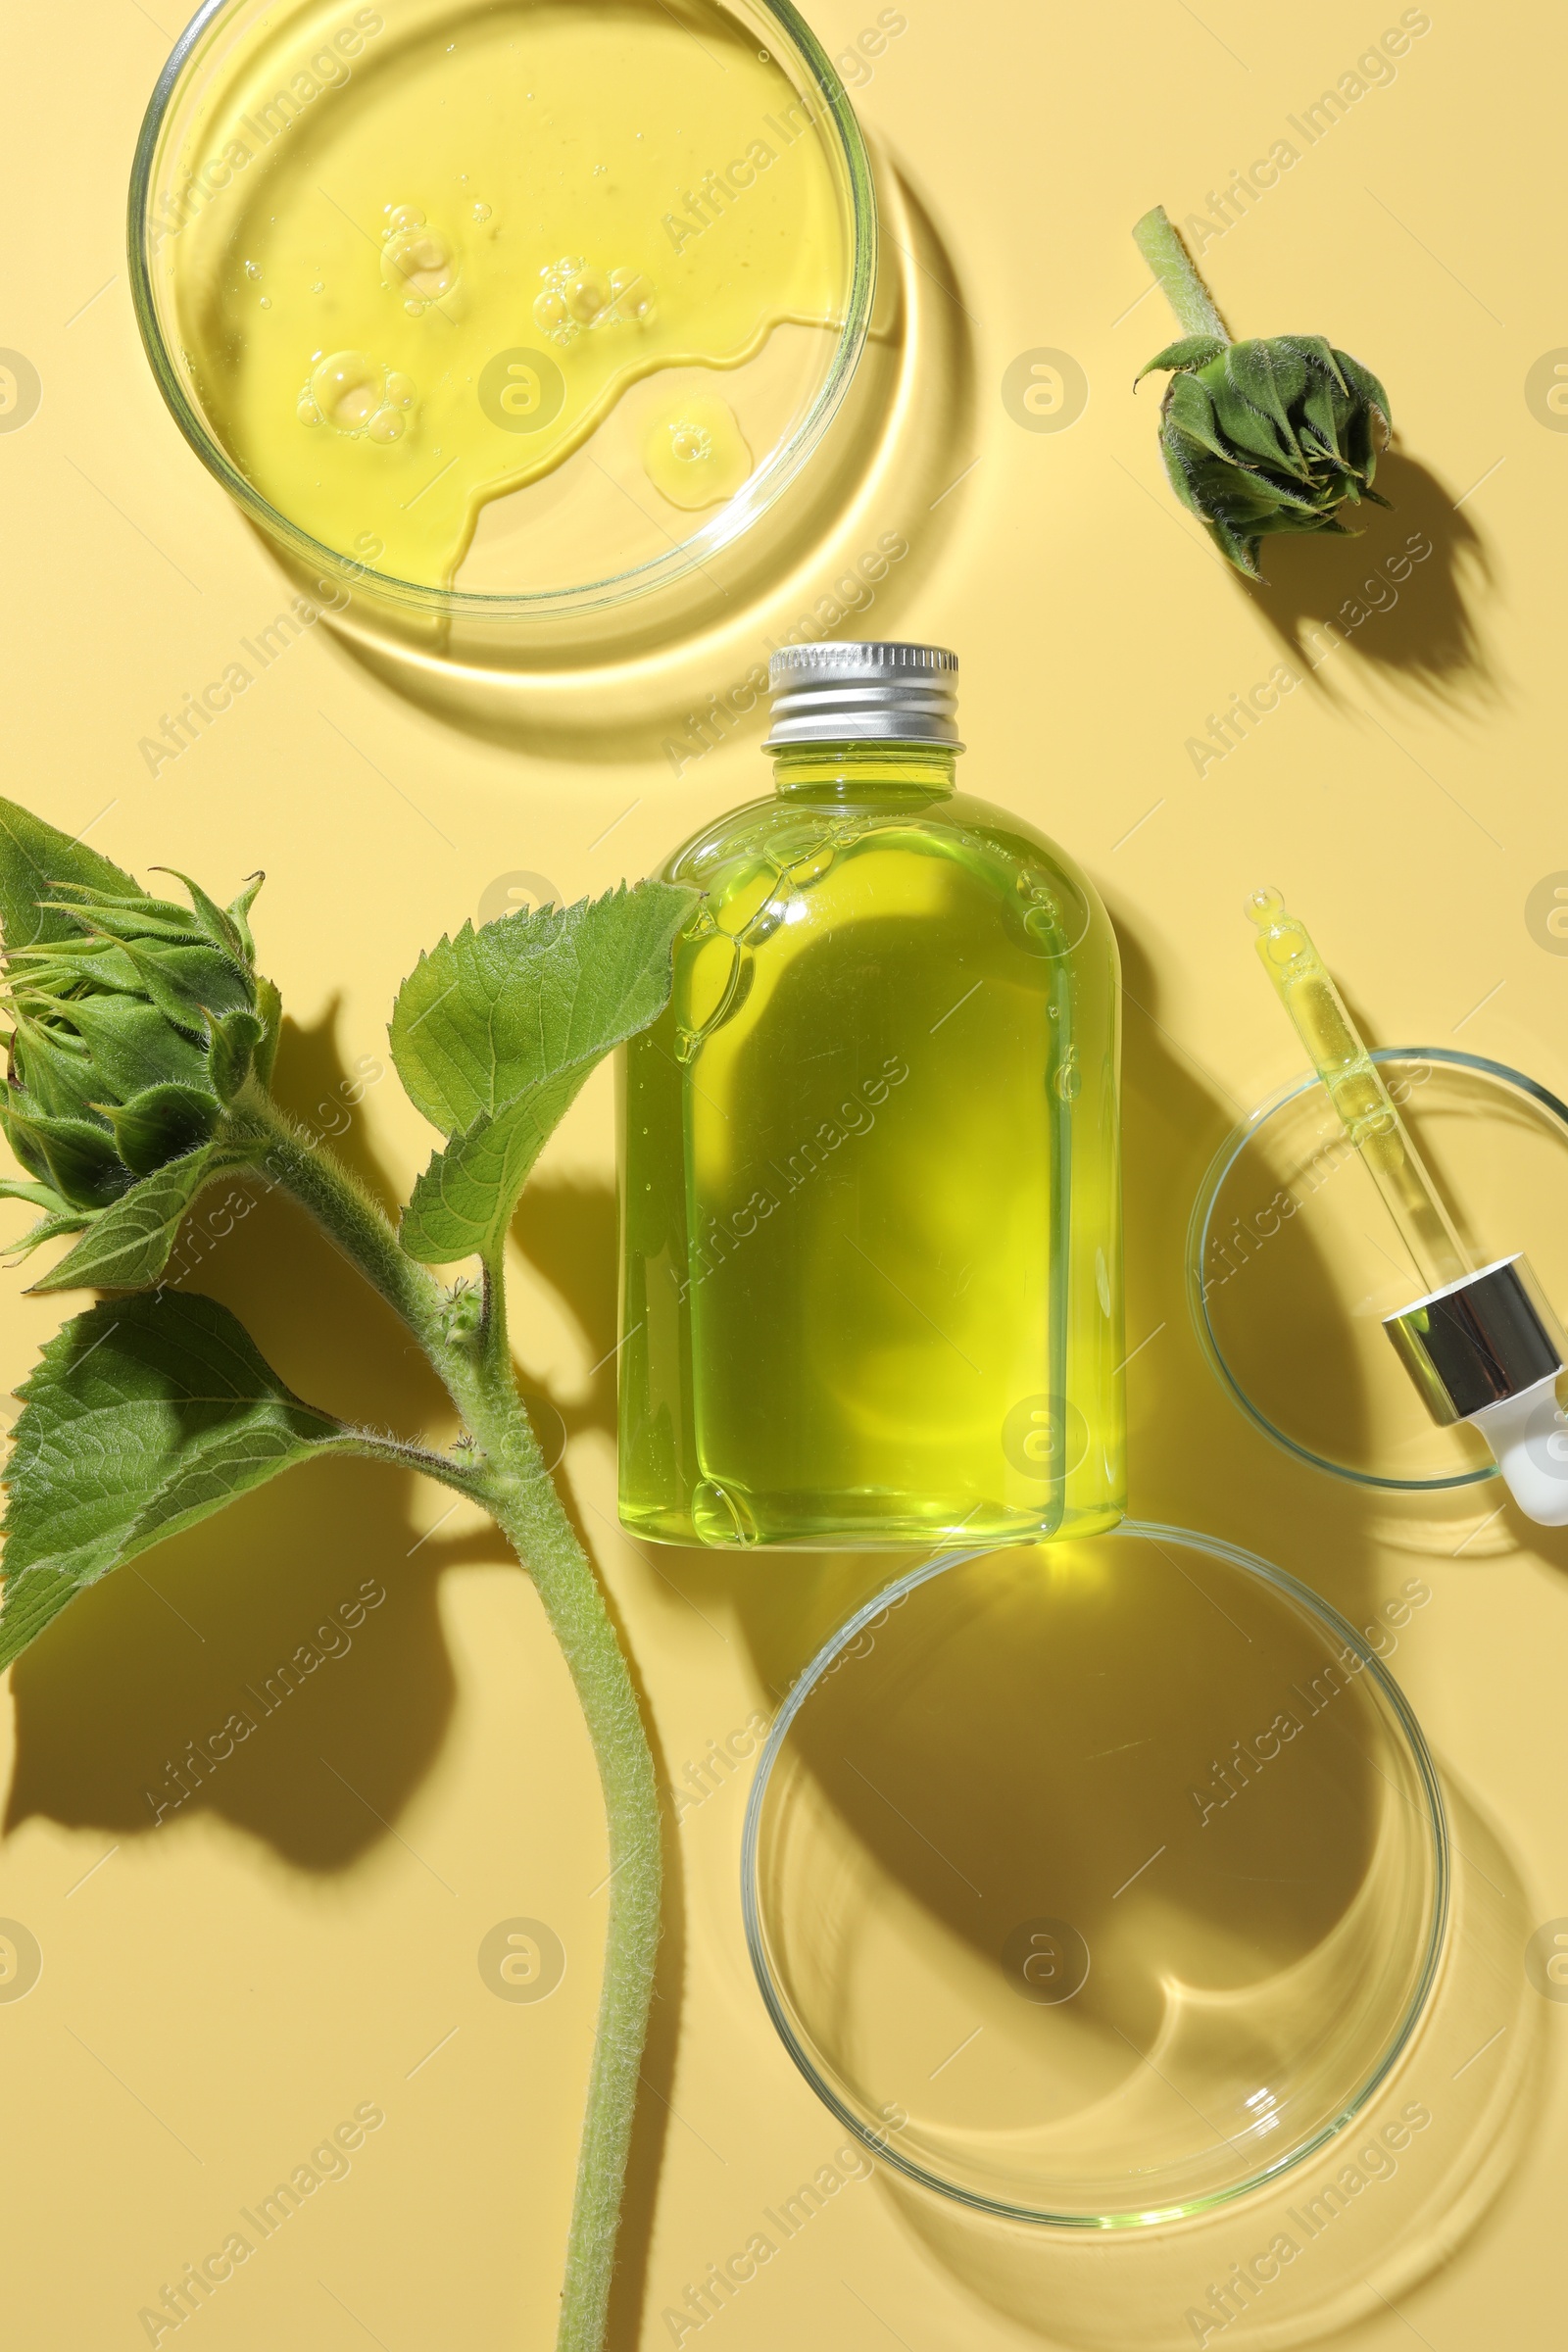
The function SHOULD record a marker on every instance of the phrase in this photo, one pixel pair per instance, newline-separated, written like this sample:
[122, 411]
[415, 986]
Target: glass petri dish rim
[1198, 1235]
[761, 493]
[1435, 1823]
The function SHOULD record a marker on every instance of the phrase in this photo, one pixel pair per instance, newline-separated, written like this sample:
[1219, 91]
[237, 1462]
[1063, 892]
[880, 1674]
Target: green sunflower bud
[134, 1021]
[1274, 435]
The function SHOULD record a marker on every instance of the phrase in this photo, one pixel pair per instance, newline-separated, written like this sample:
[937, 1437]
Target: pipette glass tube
[1355, 1088]
[1483, 1345]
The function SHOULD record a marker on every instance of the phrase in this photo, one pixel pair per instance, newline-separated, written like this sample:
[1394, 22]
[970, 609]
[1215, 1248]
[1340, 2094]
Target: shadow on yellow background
[196, 1633]
[1403, 595]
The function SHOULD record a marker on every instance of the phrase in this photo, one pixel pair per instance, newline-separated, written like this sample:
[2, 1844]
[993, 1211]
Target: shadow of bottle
[1388, 2198]
[1202, 1465]
[1188, 1463]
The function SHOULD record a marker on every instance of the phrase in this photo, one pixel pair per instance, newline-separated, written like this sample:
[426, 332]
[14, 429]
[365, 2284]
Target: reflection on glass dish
[512, 300]
[1095, 1884]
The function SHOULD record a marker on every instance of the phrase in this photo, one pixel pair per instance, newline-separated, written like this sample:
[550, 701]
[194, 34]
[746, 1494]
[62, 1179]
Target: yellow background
[222, 1990]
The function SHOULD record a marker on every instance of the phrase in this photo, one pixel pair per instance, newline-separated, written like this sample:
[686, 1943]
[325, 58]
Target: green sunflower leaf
[126, 1246]
[33, 856]
[143, 1416]
[495, 1032]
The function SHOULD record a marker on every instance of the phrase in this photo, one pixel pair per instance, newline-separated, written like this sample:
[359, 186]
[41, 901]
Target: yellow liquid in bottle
[871, 1208]
[452, 244]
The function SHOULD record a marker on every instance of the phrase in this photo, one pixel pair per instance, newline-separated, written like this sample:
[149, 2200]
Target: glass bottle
[870, 1209]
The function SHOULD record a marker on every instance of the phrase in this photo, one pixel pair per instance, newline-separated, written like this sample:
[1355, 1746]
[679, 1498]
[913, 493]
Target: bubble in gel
[631, 294]
[348, 387]
[586, 294]
[356, 396]
[253, 270]
[417, 258]
[577, 297]
[695, 454]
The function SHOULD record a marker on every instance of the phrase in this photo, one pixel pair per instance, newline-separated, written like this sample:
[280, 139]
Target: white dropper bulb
[1528, 1435]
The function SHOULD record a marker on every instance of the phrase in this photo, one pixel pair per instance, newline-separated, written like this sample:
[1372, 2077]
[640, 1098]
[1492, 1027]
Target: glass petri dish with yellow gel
[1096, 1884]
[525, 304]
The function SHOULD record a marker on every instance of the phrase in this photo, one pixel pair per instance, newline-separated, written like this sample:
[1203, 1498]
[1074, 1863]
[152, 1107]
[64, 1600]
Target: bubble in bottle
[811, 867]
[720, 1516]
[253, 270]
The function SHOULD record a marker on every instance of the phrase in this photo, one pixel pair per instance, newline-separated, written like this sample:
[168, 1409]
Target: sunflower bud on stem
[1276, 434]
[140, 1059]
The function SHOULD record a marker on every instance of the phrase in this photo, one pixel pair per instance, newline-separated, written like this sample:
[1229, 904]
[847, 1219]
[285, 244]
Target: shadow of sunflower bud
[1403, 598]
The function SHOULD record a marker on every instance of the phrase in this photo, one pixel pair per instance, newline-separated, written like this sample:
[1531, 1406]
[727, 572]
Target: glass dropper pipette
[1482, 1343]
[1355, 1088]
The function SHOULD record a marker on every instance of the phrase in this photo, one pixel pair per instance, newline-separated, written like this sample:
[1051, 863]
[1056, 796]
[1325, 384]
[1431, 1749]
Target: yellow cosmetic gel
[425, 254]
[695, 454]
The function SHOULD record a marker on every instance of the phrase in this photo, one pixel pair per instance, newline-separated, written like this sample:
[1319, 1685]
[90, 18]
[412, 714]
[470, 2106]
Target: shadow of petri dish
[1293, 1262]
[257, 118]
[1096, 1884]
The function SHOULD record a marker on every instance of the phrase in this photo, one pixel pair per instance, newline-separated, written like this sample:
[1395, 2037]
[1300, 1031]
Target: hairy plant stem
[508, 1477]
[350, 1216]
[1176, 273]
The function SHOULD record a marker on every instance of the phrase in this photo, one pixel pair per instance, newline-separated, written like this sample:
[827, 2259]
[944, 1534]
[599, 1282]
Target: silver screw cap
[864, 693]
[1479, 1342]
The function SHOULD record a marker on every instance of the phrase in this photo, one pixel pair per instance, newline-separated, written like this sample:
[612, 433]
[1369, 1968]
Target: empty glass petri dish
[501, 311]
[1095, 1884]
[1293, 1262]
